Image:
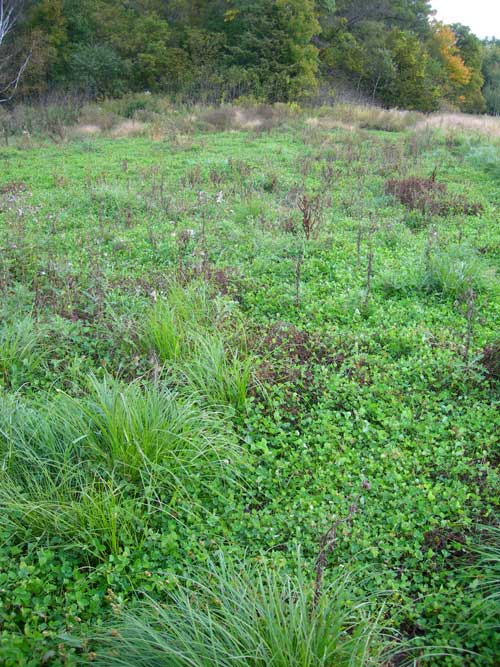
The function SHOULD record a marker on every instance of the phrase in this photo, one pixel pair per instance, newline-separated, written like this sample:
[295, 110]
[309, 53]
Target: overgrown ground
[226, 340]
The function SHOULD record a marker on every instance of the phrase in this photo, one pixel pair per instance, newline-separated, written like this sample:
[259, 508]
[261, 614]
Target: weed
[490, 360]
[430, 197]
[126, 394]
[298, 274]
[311, 208]
[415, 192]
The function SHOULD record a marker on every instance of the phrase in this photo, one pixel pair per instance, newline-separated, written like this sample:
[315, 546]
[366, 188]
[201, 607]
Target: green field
[229, 340]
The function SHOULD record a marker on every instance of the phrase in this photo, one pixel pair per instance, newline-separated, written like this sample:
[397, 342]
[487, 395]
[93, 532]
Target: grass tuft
[89, 471]
[21, 352]
[239, 615]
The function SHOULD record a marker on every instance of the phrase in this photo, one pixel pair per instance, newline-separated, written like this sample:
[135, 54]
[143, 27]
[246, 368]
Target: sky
[482, 16]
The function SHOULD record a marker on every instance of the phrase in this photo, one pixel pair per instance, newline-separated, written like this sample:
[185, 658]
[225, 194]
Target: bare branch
[326, 544]
[10, 76]
[9, 12]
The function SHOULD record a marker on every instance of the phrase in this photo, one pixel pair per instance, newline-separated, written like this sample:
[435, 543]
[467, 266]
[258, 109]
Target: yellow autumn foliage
[449, 55]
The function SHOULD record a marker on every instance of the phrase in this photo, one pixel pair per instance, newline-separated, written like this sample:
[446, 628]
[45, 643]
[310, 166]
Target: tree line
[393, 51]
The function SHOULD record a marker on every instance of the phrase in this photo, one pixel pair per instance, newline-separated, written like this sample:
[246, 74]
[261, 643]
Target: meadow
[249, 365]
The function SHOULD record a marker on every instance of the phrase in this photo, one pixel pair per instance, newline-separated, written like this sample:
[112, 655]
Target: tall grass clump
[487, 552]
[49, 487]
[486, 157]
[220, 375]
[445, 271]
[451, 271]
[173, 324]
[138, 429]
[92, 471]
[239, 616]
[21, 352]
[202, 344]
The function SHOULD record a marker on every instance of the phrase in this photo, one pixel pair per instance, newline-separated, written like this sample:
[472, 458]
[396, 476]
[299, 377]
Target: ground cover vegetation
[392, 51]
[249, 365]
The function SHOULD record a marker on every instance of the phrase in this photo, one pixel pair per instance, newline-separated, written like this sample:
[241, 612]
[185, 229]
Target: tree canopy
[275, 50]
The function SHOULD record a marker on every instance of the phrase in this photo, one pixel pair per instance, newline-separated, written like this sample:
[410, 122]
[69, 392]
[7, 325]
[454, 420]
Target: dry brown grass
[129, 128]
[85, 130]
[369, 117]
[329, 124]
[488, 125]
[256, 118]
[352, 116]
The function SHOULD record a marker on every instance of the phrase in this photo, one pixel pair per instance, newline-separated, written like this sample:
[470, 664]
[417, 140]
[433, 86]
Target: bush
[97, 69]
[239, 616]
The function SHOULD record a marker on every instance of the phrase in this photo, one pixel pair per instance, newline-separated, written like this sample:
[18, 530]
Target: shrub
[237, 615]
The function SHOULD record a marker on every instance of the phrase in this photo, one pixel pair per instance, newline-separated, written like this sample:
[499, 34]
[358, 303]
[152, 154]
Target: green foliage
[159, 272]
[491, 74]
[472, 53]
[272, 41]
[274, 50]
[97, 69]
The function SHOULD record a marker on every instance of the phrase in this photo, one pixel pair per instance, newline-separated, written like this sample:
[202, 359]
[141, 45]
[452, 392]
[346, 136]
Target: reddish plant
[429, 196]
